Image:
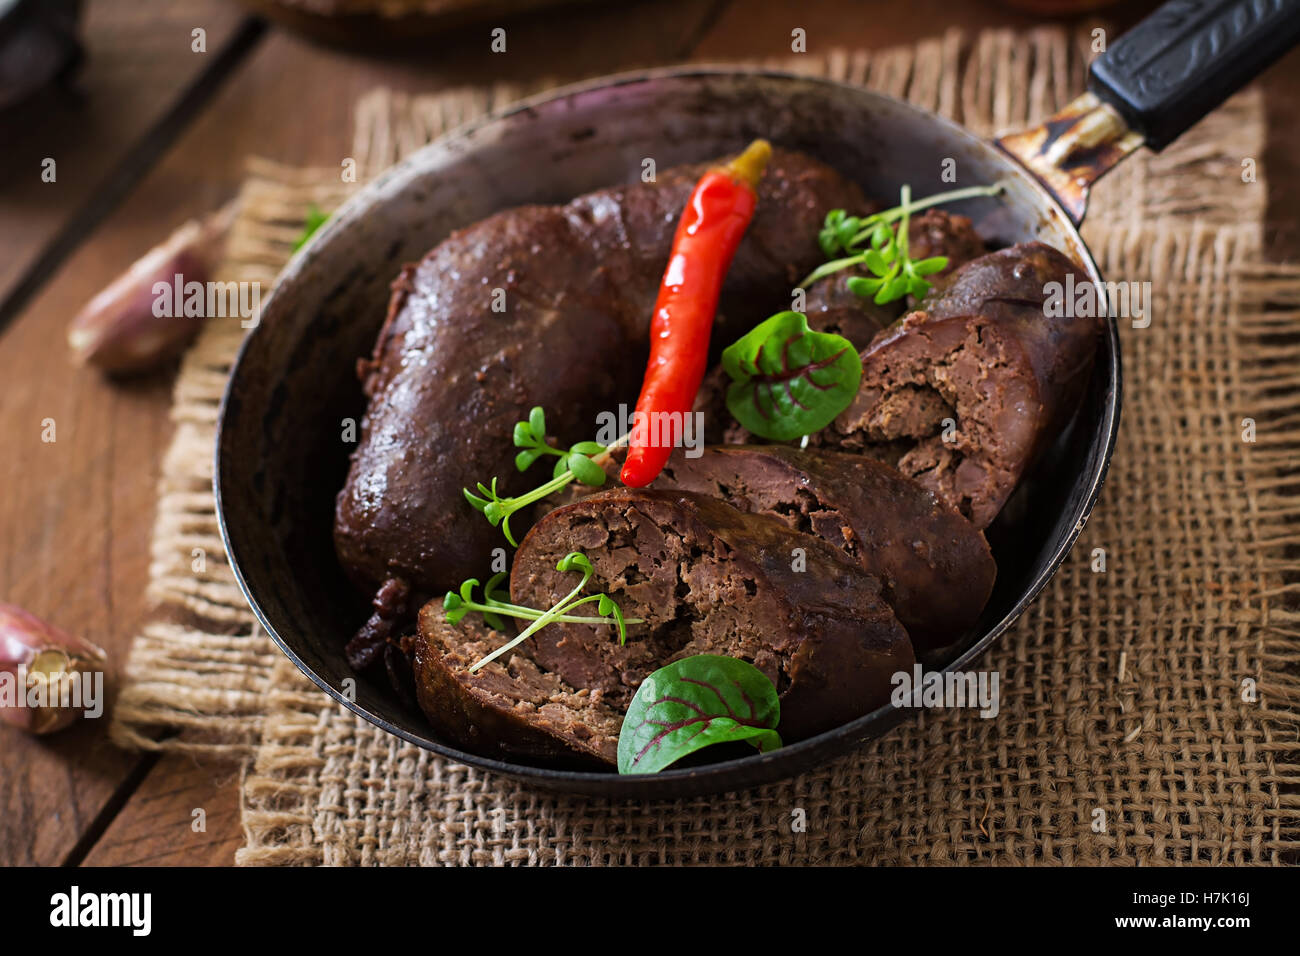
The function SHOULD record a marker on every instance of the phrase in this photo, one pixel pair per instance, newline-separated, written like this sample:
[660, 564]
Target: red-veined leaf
[788, 380]
[694, 703]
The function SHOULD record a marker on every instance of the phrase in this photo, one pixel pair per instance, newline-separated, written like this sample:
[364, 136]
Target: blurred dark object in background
[38, 45]
[1058, 8]
[380, 24]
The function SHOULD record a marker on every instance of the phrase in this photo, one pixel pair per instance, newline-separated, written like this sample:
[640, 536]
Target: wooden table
[153, 133]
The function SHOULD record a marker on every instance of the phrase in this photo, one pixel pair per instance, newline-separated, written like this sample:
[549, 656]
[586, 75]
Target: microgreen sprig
[581, 462]
[605, 606]
[315, 219]
[530, 435]
[457, 605]
[895, 273]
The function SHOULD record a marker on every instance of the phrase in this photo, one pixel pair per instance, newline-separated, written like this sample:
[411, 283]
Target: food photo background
[1146, 708]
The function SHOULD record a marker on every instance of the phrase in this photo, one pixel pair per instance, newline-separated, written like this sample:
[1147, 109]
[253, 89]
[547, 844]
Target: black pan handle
[1185, 59]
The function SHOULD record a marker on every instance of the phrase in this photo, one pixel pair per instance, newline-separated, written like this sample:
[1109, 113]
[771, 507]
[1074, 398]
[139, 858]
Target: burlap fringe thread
[1121, 691]
[203, 666]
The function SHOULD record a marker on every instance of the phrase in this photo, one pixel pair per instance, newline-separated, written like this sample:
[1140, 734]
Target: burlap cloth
[1122, 691]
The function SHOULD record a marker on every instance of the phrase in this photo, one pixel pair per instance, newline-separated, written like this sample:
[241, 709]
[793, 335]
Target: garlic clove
[48, 678]
[118, 331]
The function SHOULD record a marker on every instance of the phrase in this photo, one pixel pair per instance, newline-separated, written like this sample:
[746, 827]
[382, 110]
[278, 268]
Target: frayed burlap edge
[199, 672]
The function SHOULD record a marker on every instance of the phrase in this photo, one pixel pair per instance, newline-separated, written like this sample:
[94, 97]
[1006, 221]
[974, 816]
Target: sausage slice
[510, 708]
[965, 395]
[709, 579]
[935, 568]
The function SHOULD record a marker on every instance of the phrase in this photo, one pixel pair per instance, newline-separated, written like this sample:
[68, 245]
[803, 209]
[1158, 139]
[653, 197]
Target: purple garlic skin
[37, 661]
[117, 330]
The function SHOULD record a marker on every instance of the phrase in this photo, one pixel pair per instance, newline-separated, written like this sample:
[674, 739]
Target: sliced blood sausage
[935, 567]
[510, 708]
[710, 579]
[541, 305]
[964, 395]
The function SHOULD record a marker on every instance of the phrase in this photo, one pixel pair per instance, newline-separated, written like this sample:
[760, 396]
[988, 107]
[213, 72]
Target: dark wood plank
[294, 100]
[157, 827]
[76, 513]
[763, 27]
[1281, 164]
[74, 532]
[138, 62]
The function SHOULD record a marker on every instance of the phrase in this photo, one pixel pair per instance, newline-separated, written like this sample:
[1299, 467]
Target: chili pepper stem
[748, 167]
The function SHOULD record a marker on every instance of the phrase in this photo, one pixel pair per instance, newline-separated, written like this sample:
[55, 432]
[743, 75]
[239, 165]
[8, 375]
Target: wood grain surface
[158, 134]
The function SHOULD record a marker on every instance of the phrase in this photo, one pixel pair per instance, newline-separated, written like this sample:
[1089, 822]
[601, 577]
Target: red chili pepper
[715, 219]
